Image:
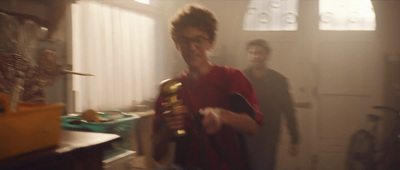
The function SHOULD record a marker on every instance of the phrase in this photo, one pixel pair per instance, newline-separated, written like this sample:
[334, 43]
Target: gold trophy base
[180, 132]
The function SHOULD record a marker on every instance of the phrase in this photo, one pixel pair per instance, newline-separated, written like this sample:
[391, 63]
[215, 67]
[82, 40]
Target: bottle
[17, 90]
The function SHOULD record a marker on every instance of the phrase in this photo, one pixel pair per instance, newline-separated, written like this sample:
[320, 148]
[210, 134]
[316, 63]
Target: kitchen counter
[75, 151]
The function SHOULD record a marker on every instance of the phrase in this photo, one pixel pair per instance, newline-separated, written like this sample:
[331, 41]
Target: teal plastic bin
[121, 124]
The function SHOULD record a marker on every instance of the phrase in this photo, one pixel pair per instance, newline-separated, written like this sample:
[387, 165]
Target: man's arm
[289, 112]
[214, 118]
[241, 122]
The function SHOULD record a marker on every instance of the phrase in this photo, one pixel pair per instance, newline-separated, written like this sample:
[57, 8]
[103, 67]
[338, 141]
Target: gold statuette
[169, 91]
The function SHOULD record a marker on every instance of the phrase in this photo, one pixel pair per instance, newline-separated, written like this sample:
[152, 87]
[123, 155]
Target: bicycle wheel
[360, 154]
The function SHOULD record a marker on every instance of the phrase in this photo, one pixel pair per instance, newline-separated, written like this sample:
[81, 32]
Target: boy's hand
[212, 121]
[176, 118]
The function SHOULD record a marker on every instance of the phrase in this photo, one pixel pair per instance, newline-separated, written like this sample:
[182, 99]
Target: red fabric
[212, 90]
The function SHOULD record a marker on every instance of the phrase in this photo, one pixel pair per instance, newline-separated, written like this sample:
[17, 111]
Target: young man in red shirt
[211, 140]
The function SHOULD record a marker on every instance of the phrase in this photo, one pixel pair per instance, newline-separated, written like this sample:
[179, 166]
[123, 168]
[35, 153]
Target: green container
[119, 123]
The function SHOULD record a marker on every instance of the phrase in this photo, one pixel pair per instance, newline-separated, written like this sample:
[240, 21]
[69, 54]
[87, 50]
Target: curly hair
[194, 16]
[259, 42]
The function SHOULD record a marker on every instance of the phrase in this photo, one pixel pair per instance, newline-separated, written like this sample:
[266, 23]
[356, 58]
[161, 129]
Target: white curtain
[117, 46]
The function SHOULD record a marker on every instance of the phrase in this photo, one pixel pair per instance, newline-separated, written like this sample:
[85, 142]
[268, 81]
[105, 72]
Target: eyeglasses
[197, 41]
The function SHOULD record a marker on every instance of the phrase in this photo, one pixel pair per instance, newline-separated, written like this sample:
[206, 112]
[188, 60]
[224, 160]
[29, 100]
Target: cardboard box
[31, 128]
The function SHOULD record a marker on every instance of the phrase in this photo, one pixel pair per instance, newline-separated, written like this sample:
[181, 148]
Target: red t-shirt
[212, 90]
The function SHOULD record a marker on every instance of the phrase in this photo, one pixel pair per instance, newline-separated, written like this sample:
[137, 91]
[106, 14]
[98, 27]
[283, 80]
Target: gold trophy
[169, 91]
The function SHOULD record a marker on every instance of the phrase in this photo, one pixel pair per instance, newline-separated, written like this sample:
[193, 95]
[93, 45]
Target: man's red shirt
[212, 90]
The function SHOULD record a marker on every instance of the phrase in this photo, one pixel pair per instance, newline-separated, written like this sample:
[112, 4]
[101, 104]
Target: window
[117, 46]
[276, 15]
[346, 15]
[143, 1]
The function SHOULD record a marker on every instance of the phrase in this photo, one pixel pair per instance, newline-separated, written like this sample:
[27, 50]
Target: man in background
[275, 102]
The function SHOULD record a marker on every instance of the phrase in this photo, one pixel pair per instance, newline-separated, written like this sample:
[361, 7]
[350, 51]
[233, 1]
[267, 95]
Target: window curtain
[118, 47]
